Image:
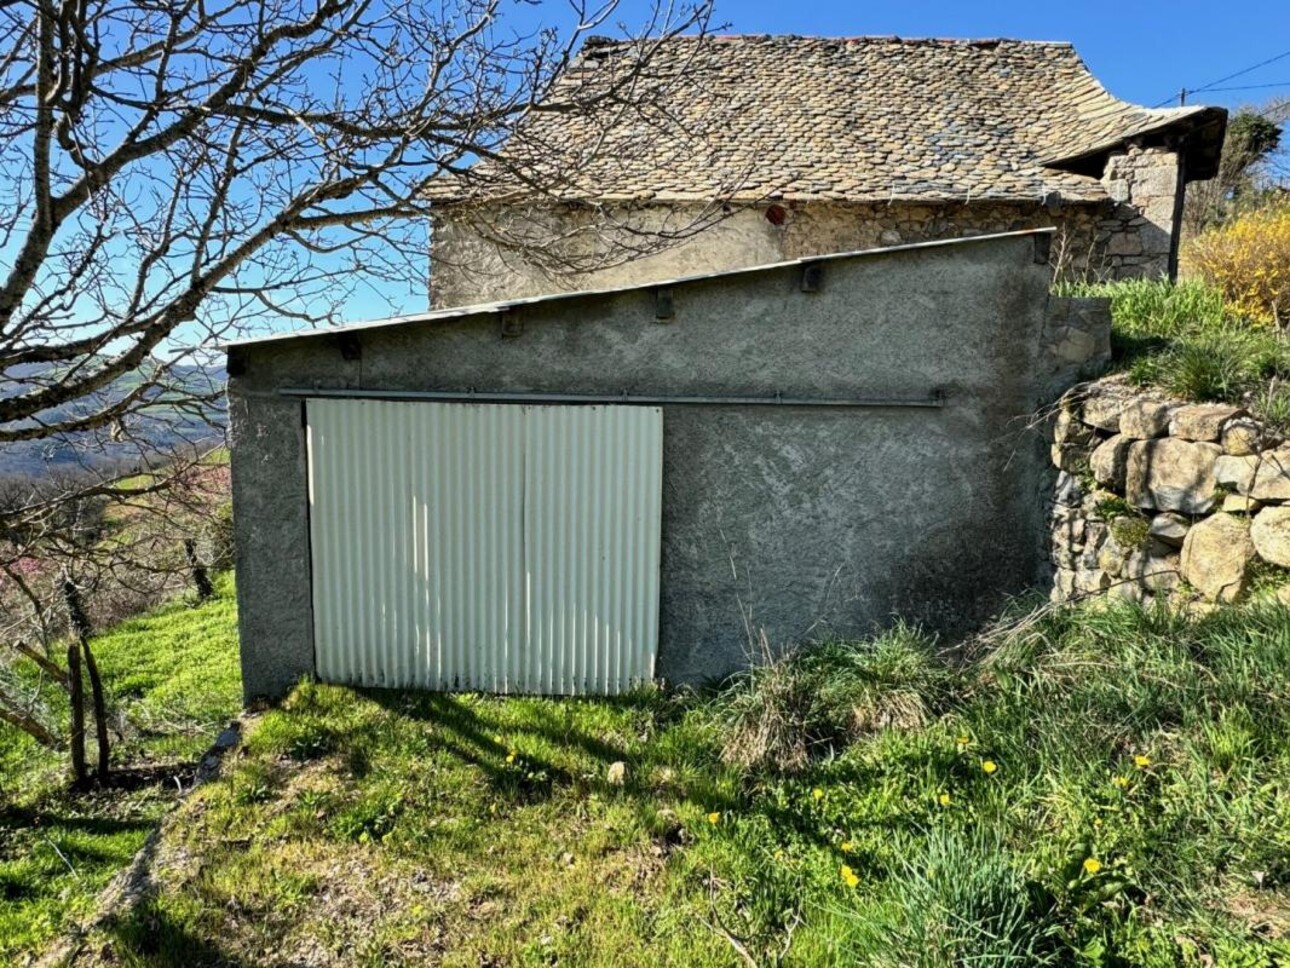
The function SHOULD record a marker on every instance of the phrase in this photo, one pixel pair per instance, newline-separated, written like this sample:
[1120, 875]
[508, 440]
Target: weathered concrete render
[1134, 233]
[808, 522]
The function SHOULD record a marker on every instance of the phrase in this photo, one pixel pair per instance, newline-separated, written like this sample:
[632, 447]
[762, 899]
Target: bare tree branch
[173, 175]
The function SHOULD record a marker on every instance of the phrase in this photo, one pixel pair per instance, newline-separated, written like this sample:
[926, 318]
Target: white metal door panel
[496, 547]
[593, 492]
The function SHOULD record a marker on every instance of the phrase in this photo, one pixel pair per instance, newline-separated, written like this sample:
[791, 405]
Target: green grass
[1137, 813]
[1182, 339]
[172, 678]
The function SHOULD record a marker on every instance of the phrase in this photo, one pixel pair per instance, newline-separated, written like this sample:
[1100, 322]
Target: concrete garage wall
[819, 521]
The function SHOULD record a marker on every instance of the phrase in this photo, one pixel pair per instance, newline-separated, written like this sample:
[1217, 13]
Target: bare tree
[175, 172]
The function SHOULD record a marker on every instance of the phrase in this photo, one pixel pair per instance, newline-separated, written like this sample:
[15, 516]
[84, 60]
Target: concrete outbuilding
[577, 493]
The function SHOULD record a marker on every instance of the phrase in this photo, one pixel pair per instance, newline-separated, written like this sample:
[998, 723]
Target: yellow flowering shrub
[1249, 260]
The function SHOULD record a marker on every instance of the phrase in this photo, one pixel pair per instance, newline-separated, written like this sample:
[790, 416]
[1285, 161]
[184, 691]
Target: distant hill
[163, 429]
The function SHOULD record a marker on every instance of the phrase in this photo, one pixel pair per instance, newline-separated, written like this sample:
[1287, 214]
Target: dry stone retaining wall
[1155, 497]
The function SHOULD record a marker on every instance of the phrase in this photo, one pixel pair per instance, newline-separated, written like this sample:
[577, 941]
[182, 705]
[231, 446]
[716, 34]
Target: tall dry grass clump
[786, 708]
[1249, 260]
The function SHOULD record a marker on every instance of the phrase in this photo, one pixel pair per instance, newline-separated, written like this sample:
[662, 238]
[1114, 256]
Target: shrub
[1249, 260]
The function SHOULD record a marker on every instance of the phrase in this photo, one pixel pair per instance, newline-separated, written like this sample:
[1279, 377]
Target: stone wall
[1158, 498]
[1131, 236]
[1139, 236]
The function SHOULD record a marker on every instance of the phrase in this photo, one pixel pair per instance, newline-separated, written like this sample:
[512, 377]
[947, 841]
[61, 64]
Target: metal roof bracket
[512, 323]
[664, 309]
[812, 277]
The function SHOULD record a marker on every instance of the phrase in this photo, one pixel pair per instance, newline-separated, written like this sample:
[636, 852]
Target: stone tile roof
[861, 119]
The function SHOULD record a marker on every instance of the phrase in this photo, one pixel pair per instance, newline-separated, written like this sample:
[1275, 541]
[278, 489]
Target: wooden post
[80, 624]
[100, 710]
[77, 696]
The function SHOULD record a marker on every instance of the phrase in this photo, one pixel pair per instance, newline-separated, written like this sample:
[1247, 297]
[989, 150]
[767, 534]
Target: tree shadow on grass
[23, 818]
[154, 937]
[463, 732]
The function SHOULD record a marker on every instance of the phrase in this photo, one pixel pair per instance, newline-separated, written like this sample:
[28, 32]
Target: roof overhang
[1197, 135]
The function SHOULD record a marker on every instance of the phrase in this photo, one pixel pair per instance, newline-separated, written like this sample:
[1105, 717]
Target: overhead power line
[1212, 85]
[1246, 87]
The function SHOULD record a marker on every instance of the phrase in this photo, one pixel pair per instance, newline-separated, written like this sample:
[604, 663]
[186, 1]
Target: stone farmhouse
[762, 149]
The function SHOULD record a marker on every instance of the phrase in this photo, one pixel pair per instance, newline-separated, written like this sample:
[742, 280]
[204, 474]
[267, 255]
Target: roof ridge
[601, 41]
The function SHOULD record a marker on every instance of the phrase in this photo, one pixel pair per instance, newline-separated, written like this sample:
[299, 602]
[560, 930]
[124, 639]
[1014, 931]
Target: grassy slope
[1184, 340]
[173, 679]
[382, 827]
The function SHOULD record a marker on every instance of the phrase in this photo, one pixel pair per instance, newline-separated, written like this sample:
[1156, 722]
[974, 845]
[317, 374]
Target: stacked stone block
[1155, 497]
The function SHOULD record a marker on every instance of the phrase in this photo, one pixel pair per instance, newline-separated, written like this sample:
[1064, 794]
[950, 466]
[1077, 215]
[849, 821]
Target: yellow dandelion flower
[714, 817]
[849, 876]
[847, 846]
[944, 799]
[1097, 821]
[989, 766]
[1092, 865]
[1120, 781]
[817, 793]
[498, 739]
[1141, 761]
[510, 757]
[963, 741]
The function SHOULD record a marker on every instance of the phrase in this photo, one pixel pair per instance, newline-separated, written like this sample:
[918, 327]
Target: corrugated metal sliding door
[498, 547]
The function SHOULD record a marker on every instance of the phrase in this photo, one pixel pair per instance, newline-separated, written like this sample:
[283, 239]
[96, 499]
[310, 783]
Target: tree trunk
[100, 709]
[76, 693]
[201, 581]
[80, 623]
